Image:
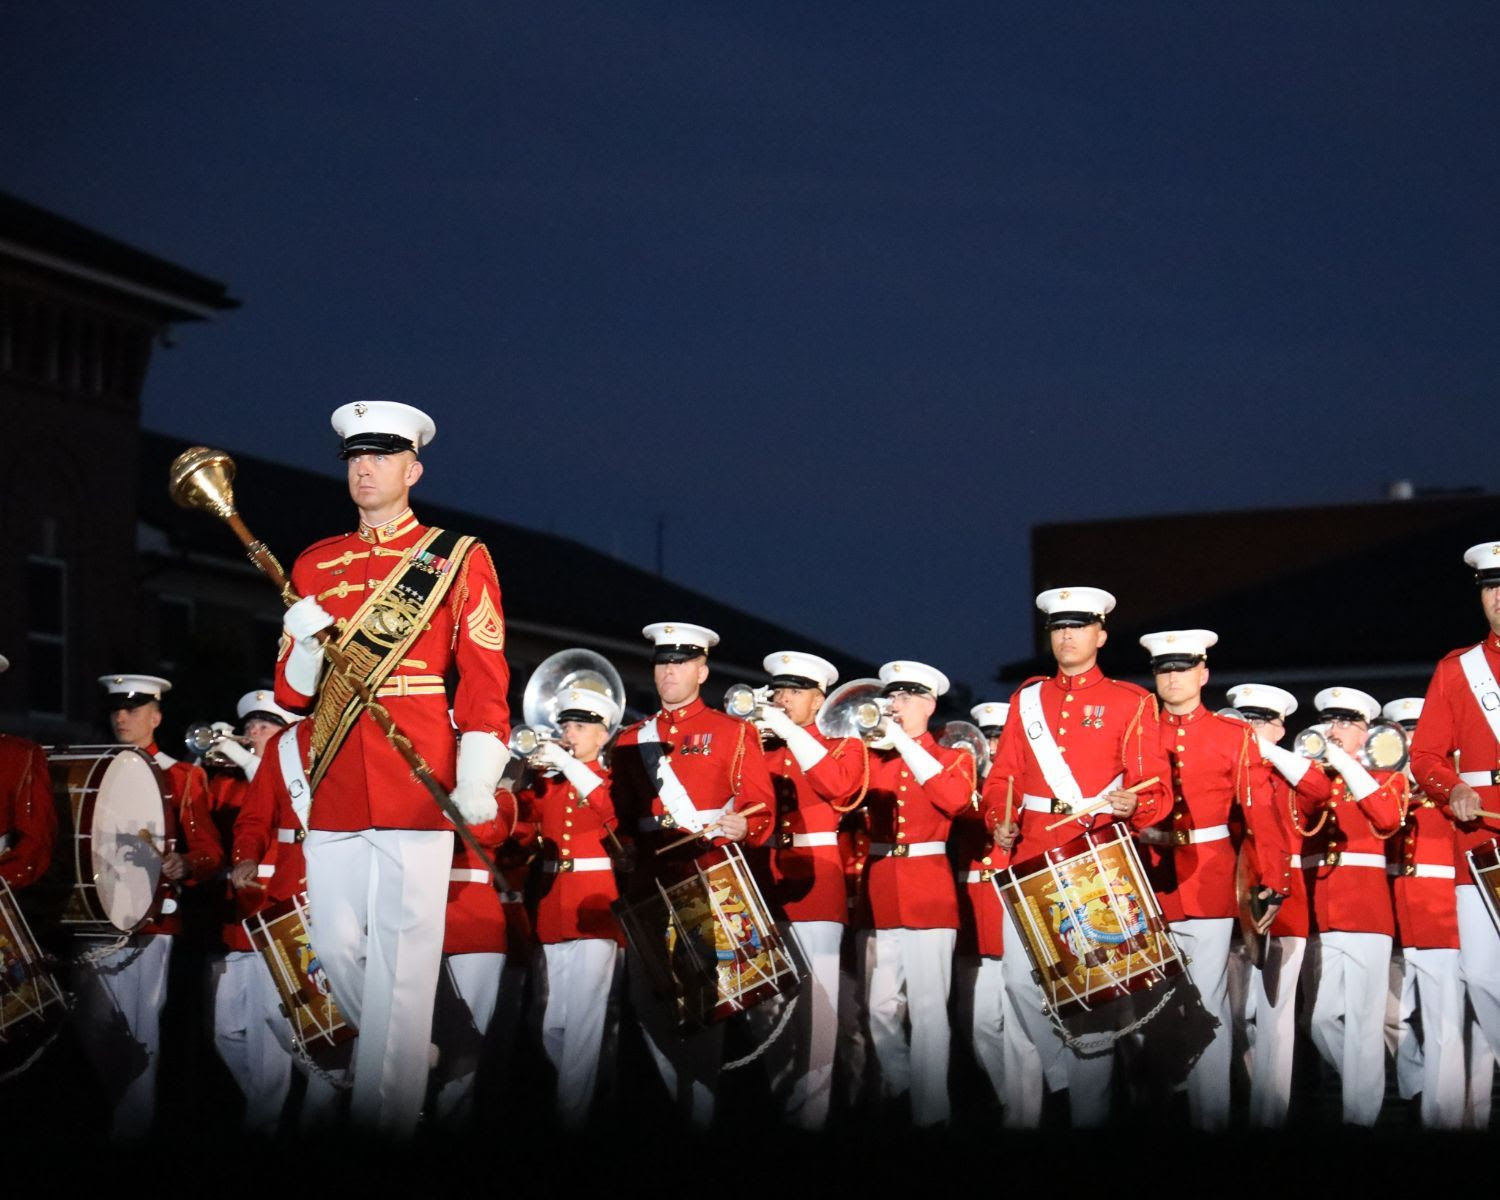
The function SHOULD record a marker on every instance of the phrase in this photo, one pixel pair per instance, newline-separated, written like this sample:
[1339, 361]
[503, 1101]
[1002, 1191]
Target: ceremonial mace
[203, 478]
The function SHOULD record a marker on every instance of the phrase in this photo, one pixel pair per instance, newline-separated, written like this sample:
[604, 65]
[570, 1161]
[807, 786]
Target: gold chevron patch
[486, 628]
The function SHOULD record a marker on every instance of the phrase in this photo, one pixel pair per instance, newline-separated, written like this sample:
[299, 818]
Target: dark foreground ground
[53, 1120]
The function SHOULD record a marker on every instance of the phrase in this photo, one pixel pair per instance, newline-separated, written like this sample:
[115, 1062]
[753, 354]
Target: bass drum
[116, 799]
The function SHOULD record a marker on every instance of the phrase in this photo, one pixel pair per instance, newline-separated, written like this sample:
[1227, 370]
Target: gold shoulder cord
[1402, 805]
[864, 782]
[1291, 793]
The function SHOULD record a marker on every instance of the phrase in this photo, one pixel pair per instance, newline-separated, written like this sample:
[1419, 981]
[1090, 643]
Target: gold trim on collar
[391, 530]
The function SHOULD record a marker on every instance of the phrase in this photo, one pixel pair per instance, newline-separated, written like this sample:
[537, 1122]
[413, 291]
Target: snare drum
[708, 941]
[117, 799]
[32, 1004]
[279, 932]
[1089, 921]
[1484, 865]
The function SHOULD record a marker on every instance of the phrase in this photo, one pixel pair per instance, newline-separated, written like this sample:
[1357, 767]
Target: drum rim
[85, 884]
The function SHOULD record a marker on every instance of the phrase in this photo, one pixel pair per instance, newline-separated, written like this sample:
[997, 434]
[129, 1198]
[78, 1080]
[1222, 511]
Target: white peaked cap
[589, 700]
[262, 700]
[905, 671]
[1179, 643]
[1347, 698]
[381, 427]
[991, 712]
[137, 687]
[794, 664]
[1408, 708]
[1485, 559]
[1085, 604]
[678, 640]
[1263, 695]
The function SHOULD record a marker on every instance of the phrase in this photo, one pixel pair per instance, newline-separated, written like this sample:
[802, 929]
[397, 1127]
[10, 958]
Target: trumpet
[202, 740]
[526, 740]
[748, 703]
[855, 709]
[1385, 747]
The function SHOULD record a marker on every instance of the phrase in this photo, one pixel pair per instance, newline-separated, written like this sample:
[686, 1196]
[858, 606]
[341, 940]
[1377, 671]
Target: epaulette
[319, 545]
[1131, 687]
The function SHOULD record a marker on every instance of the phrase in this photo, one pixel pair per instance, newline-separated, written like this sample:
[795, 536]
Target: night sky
[854, 294]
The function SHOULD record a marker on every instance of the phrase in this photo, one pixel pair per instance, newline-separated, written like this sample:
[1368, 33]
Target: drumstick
[1483, 812]
[1010, 795]
[1093, 808]
[693, 837]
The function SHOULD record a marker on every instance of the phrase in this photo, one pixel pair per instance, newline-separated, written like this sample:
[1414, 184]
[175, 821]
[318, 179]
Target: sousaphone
[855, 709]
[967, 736]
[548, 688]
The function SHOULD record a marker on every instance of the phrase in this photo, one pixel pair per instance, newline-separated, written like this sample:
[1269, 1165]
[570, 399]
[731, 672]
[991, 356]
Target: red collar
[686, 712]
[1186, 718]
[391, 530]
[1493, 642]
[1073, 683]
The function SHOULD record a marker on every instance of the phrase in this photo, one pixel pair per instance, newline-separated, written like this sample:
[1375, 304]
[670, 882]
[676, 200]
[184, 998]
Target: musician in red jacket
[121, 991]
[409, 605]
[1455, 760]
[981, 1004]
[575, 924]
[268, 869]
[28, 818]
[687, 769]
[246, 1041]
[1344, 852]
[1189, 856]
[816, 778]
[1423, 870]
[1075, 743]
[1298, 789]
[908, 913]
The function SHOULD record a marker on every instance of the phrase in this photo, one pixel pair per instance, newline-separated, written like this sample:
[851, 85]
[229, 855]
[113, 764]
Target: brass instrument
[967, 736]
[1385, 749]
[547, 691]
[202, 740]
[855, 709]
[748, 703]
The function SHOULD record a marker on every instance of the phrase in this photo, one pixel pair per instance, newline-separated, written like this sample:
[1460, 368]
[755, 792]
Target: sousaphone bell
[547, 689]
[855, 709]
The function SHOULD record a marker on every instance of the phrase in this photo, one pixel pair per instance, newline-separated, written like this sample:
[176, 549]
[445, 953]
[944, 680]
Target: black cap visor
[580, 714]
[794, 681]
[678, 654]
[1073, 620]
[375, 443]
[1175, 662]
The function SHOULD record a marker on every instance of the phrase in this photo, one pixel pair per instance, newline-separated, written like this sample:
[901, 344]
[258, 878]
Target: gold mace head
[203, 478]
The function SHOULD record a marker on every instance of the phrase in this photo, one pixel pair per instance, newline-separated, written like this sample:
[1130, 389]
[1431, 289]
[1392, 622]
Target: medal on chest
[696, 743]
[1093, 716]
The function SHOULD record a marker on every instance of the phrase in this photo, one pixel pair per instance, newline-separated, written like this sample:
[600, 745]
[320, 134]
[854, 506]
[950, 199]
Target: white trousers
[1434, 976]
[688, 1062]
[1479, 958]
[908, 975]
[813, 1037]
[1273, 1003]
[1348, 1019]
[580, 977]
[378, 898]
[1205, 942]
[852, 1063]
[468, 989]
[245, 1007]
[979, 1010]
[1481, 1076]
[1034, 1045]
[118, 1020]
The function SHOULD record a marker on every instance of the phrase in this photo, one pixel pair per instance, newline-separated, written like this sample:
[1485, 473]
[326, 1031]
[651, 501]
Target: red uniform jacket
[267, 832]
[1216, 767]
[28, 819]
[1104, 728]
[478, 919]
[976, 858]
[1347, 897]
[227, 788]
[807, 882]
[716, 757]
[368, 784]
[1452, 721]
[190, 829]
[575, 904]
[904, 892]
[1426, 869]
[1296, 810]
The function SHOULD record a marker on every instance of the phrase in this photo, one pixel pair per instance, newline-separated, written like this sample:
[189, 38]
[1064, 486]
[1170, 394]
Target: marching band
[1094, 889]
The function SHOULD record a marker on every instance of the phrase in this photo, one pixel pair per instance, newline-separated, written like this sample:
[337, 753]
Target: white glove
[242, 757]
[575, 772]
[805, 748]
[481, 759]
[1291, 766]
[923, 765]
[302, 623]
[1359, 781]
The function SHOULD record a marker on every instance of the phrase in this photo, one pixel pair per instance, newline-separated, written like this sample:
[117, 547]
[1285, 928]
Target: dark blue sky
[854, 294]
